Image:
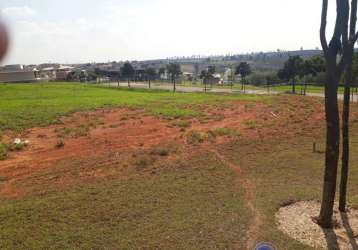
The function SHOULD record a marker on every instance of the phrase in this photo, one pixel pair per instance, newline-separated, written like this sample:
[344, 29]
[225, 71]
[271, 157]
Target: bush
[263, 78]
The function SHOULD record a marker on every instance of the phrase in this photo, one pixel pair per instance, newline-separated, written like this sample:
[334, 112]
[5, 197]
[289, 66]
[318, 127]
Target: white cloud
[23, 12]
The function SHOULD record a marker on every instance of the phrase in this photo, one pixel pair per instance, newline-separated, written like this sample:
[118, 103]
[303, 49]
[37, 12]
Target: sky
[80, 31]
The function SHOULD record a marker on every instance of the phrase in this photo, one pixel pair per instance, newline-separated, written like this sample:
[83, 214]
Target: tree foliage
[127, 70]
[243, 69]
[174, 70]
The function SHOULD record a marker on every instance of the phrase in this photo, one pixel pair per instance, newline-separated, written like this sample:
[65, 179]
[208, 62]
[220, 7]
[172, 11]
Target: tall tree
[350, 76]
[292, 68]
[127, 71]
[211, 73]
[174, 71]
[207, 75]
[244, 70]
[151, 73]
[342, 42]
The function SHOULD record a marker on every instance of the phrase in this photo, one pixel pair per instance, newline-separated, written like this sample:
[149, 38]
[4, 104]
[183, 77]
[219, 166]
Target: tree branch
[344, 23]
[352, 33]
[324, 26]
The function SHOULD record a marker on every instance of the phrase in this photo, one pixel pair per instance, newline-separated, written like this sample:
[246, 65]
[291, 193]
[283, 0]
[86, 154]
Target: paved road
[187, 89]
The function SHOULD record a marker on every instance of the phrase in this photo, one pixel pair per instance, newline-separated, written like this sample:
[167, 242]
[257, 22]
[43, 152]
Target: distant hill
[260, 60]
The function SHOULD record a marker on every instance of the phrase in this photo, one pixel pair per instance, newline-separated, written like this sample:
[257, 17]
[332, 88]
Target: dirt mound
[296, 221]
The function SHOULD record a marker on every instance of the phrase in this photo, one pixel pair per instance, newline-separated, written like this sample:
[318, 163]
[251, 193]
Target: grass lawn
[27, 105]
[310, 88]
[189, 205]
[194, 201]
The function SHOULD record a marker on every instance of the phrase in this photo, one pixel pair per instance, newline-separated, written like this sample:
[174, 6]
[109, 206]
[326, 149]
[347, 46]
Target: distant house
[62, 72]
[188, 76]
[12, 68]
[19, 76]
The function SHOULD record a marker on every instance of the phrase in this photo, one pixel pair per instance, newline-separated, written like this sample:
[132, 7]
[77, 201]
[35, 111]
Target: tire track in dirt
[249, 194]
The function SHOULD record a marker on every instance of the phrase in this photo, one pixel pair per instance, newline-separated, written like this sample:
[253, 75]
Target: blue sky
[76, 31]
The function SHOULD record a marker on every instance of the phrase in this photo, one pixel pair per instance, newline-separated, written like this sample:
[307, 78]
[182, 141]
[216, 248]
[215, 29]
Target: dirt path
[249, 189]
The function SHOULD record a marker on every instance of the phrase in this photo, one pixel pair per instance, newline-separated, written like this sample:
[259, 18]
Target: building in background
[20, 76]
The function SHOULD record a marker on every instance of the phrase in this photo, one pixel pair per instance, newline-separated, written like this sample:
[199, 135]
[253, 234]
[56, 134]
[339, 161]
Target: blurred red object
[4, 40]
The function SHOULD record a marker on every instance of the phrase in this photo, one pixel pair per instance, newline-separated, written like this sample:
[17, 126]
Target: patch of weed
[251, 124]
[181, 124]
[82, 130]
[225, 132]
[195, 137]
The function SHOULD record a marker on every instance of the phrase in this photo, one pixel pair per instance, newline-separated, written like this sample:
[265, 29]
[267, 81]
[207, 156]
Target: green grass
[286, 170]
[299, 87]
[27, 105]
[193, 203]
[225, 132]
[189, 205]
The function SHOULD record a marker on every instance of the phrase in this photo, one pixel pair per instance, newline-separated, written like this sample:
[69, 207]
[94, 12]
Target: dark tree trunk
[345, 140]
[149, 83]
[129, 83]
[174, 85]
[343, 41]
[293, 86]
[332, 147]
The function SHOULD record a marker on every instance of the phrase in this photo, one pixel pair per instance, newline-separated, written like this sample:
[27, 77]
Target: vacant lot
[124, 169]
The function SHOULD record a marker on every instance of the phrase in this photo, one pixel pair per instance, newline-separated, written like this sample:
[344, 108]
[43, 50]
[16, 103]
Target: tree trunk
[345, 140]
[293, 87]
[129, 83]
[149, 83]
[174, 85]
[332, 146]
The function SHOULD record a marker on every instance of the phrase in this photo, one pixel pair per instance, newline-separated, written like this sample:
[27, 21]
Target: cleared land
[117, 168]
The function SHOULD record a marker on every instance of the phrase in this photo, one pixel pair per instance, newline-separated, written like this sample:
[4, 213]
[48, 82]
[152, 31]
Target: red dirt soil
[121, 131]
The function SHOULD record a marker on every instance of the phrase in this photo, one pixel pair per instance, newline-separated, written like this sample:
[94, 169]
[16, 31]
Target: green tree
[151, 73]
[207, 76]
[292, 68]
[127, 71]
[244, 70]
[174, 71]
[314, 65]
